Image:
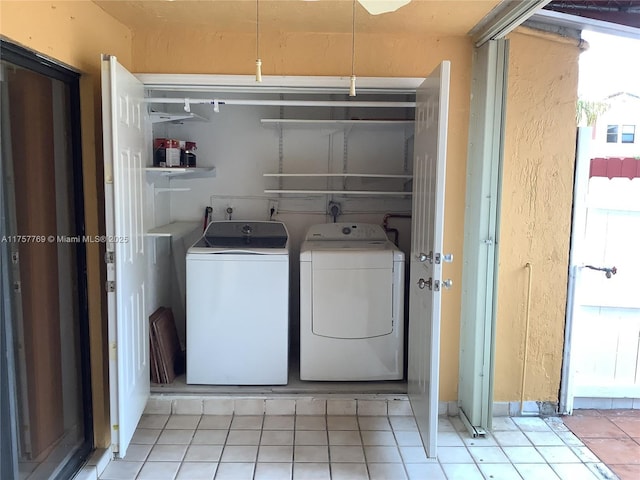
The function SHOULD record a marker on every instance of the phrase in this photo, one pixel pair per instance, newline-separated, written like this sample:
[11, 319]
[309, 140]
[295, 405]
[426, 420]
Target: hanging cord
[352, 83]
[353, 38]
[258, 61]
[257, 29]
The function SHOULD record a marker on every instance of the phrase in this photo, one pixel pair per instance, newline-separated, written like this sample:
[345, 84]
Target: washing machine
[238, 304]
[351, 304]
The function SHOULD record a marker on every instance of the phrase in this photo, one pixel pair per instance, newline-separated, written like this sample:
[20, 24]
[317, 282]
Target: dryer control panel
[346, 231]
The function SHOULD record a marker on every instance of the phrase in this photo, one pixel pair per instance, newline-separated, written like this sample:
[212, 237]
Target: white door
[125, 156]
[604, 308]
[430, 142]
[606, 318]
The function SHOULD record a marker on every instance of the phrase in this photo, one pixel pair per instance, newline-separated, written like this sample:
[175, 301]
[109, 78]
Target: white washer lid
[243, 236]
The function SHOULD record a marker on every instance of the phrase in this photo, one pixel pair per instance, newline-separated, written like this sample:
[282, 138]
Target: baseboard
[606, 403]
[327, 404]
[515, 409]
[324, 404]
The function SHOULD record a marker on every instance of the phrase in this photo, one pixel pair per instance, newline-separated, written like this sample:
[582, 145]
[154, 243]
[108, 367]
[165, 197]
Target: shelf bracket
[345, 157]
[169, 189]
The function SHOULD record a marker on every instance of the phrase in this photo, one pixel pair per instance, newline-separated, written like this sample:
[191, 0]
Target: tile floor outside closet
[613, 435]
[339, 440]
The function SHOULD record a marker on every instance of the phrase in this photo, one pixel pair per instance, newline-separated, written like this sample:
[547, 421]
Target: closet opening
[288, 156]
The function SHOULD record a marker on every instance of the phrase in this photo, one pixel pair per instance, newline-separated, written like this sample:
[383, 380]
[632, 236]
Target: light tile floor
[279, 447]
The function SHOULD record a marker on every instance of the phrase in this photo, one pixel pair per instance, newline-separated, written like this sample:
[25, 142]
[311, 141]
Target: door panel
[125, 158]
[601, 350]
[432, 101]
[360, 286]
[605, 359]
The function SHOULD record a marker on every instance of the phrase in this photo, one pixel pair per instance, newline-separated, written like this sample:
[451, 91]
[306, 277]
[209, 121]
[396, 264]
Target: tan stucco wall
[72, 32]
[76, 33]
[535, 220]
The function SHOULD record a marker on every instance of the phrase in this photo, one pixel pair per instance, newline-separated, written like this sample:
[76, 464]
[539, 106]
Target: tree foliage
[588, 111]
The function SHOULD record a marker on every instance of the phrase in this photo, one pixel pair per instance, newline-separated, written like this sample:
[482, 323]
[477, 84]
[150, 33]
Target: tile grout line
[364, 452]
[255, 464]
[501, 447]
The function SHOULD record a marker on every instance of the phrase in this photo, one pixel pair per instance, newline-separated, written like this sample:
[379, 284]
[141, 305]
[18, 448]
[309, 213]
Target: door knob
[448, 283]
[444, 258]
[424, 283]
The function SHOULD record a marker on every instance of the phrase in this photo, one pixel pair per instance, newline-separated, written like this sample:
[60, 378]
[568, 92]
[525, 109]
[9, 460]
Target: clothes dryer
[351, 304]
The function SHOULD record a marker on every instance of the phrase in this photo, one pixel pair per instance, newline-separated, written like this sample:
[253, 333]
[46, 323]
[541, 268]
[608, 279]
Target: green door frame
[482, 222]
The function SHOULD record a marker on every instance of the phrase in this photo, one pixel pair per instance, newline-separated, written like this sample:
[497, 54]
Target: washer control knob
[246, 229]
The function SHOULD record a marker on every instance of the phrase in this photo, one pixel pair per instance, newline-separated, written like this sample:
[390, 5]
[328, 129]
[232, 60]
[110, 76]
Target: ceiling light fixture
[352, 83]
[377, 7]
[258, 61]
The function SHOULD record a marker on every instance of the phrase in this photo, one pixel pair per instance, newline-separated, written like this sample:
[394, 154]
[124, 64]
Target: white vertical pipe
[580, 188]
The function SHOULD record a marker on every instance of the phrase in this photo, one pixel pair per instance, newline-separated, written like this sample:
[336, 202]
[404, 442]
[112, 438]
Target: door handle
[607, 271]
[424, 283]
[448, 283]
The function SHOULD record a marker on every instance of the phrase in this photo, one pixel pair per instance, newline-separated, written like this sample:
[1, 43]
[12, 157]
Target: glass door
[44, 309]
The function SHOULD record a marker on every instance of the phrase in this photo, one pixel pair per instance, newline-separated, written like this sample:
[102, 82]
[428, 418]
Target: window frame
[612, 133]
[628, 136]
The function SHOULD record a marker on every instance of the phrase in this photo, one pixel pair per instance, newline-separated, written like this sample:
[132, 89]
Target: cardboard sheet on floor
[167, 357]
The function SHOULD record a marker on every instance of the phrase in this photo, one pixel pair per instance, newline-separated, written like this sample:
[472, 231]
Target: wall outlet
[272, 209]
[334, 209]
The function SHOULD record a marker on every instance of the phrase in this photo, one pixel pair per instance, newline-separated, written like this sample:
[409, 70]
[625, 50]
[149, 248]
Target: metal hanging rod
[277, 103]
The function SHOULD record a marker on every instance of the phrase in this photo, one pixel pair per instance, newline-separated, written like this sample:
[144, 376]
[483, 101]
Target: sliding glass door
[45, 382]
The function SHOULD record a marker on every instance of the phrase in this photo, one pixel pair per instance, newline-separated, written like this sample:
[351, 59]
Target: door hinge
[422, 283]
[15, 258]
[110, 286]
[424, 257]
[110, 257]
[436, 285]
[108, 172]
[17, 287]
